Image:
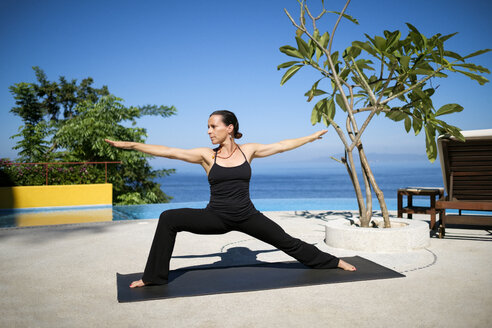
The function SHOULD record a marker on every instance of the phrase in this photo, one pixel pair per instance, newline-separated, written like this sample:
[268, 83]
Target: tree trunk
[367, 187]
[364, 220]
[377, 190]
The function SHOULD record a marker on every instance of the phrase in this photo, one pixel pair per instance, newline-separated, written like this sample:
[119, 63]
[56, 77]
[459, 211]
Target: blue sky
[201, 56]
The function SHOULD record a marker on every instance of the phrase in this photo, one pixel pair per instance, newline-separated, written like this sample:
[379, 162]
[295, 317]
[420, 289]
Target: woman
[230, 208]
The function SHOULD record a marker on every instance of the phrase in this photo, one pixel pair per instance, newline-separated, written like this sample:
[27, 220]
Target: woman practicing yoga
[230, 207]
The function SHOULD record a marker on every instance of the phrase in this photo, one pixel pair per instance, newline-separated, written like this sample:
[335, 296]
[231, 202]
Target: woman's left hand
[317, 135]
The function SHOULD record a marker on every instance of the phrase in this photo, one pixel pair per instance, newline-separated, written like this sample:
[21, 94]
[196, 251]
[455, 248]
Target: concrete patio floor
[64, 276]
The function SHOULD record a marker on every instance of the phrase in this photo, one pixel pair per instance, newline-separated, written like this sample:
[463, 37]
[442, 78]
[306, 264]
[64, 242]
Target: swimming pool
[153, 211]
[68, 215]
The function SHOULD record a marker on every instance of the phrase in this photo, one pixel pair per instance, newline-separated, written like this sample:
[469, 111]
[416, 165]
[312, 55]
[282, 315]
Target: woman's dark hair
[228, 117]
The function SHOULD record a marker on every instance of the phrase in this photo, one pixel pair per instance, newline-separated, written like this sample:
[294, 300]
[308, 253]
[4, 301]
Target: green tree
[69, 122]
[40, 104]
[387, 75]
[83, 136]
[32, 146]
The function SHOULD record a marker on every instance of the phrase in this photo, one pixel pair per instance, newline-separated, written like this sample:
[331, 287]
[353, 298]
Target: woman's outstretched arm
[196, 155]
[261, 150]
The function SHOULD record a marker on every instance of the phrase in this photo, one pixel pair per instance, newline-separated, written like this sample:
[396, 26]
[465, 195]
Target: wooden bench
[467, 175]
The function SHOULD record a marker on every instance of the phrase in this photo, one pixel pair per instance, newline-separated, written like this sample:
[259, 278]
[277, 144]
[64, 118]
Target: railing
[64, 163]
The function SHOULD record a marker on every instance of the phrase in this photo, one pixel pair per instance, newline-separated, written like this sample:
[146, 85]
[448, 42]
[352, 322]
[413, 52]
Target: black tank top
[229, 190]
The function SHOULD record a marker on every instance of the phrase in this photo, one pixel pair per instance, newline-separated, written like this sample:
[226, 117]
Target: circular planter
[403, 236]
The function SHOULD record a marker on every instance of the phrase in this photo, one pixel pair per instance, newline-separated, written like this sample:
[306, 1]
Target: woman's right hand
[202, 156]
[120, 144]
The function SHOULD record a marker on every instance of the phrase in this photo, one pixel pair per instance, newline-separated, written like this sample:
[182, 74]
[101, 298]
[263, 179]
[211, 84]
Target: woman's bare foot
[346, 266]
[139, 283]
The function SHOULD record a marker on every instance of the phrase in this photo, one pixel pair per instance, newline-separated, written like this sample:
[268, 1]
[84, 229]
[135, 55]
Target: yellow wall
[48, 196]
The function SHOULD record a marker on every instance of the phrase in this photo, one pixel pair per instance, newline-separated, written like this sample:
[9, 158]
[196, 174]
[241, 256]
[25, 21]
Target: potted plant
[384, 75]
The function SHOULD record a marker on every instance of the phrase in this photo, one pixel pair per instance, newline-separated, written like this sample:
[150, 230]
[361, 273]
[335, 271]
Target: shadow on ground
[327, 215]
[233, 256]
[45, 234]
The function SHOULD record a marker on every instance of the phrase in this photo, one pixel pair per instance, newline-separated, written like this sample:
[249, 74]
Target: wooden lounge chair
[467, 174]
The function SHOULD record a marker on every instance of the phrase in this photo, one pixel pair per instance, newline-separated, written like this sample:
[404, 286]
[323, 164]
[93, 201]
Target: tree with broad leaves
[387, 75]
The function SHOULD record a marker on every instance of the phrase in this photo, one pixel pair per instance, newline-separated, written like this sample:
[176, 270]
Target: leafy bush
[58, 174]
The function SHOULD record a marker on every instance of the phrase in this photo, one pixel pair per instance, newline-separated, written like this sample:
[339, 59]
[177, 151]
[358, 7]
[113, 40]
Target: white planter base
[404, 235]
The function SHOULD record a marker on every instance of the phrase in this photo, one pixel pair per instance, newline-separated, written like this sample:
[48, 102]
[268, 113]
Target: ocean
[295, 188]
[309, 184]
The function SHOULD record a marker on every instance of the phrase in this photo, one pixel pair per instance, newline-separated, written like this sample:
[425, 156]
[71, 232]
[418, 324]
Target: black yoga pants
[204, 221]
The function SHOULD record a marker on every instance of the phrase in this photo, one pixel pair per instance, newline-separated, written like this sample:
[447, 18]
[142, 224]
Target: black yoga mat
[216, 280]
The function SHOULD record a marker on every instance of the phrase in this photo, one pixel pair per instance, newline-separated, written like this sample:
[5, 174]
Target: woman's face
[217, 130]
